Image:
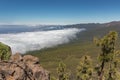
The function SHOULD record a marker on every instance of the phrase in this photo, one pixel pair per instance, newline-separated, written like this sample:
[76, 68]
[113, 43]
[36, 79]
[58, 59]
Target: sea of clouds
[28, 41]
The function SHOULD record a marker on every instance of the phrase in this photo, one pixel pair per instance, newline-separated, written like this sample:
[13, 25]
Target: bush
[5, 52]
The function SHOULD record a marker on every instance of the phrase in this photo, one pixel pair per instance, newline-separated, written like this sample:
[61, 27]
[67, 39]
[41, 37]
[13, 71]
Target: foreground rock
[22, 68]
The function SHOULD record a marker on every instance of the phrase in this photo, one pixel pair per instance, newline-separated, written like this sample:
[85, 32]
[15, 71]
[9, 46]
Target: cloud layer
[27, 41]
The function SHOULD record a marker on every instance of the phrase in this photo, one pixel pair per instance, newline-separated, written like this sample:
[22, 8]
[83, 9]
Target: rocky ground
[20, 67]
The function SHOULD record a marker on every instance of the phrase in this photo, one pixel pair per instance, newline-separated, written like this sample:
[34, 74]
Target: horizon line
[37, 24]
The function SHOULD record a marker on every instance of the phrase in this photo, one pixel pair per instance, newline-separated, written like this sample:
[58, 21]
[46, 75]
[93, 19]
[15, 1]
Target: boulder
[30, 59]
[16, 57]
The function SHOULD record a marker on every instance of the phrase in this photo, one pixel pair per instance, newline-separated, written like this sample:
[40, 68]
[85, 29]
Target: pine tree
[61, 70]
[108, 56]
[84, 69]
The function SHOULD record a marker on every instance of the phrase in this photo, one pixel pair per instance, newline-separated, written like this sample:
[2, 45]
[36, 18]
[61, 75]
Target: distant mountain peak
[113, 23]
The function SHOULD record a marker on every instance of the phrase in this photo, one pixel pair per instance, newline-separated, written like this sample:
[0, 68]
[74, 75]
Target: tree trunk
[101, 71]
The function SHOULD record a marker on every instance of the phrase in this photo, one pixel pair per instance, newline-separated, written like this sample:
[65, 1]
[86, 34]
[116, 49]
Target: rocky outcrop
[22, 68]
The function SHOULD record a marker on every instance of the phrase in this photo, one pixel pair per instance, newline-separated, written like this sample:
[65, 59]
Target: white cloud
[26, 41]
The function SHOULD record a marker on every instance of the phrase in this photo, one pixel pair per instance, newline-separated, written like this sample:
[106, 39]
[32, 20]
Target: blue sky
[58, 11]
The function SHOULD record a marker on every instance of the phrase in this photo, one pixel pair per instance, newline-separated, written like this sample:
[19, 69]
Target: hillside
[71, 53]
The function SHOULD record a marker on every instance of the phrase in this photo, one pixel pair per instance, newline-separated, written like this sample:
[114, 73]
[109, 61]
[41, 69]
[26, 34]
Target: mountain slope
[71, 53]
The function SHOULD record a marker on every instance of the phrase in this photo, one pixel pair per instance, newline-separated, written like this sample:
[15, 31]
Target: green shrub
[5, 52]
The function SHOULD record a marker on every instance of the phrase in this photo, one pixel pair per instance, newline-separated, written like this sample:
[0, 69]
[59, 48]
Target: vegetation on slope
[71, 53]
[5, 52]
